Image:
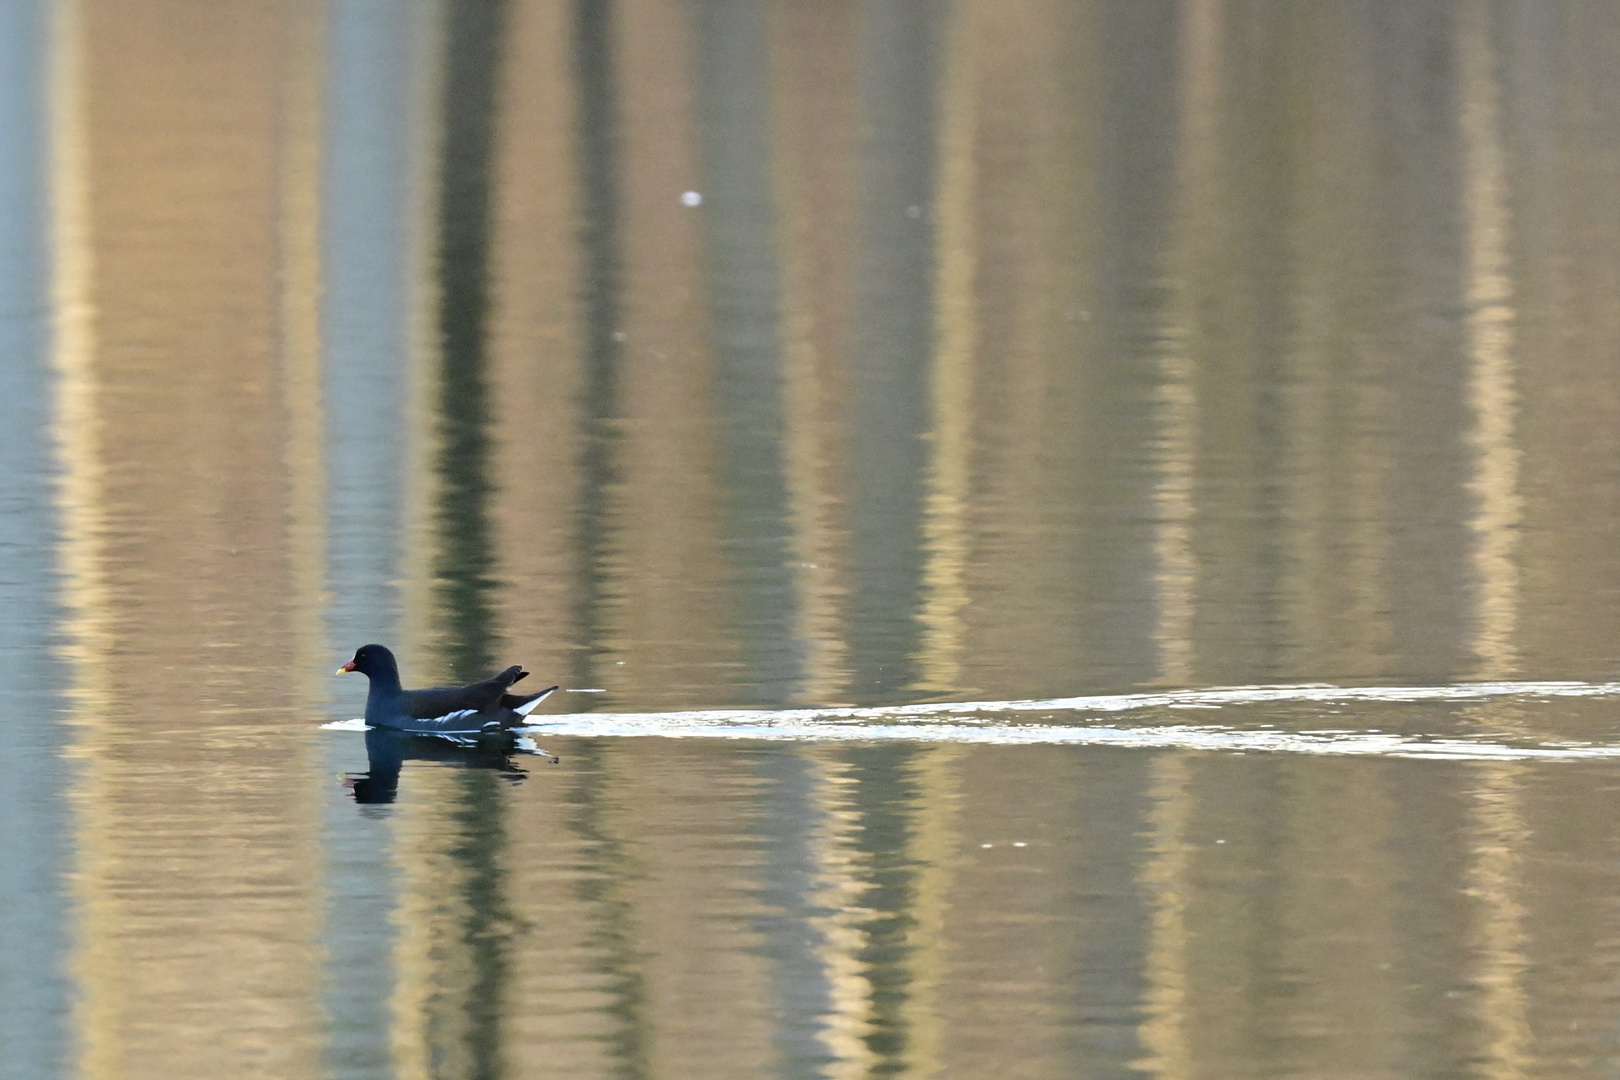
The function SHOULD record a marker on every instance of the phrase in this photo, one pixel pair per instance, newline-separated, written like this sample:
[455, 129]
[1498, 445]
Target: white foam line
[1181, 738]
[1115, 703]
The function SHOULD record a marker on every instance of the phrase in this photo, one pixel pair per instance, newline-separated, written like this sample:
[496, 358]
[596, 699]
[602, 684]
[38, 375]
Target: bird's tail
[523, 704]
[510, 676]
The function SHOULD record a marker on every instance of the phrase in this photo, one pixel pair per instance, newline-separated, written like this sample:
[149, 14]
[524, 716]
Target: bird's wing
[437, 701]
[432, 703]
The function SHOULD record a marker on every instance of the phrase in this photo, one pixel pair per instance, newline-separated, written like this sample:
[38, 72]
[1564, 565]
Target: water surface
[1101, 519]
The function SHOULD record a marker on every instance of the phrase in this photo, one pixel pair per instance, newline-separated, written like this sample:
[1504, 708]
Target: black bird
[477, 708]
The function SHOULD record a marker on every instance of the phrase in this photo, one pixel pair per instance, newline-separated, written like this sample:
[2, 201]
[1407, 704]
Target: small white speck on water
[987, 845]
[1220, 841]
[619, 335]
[1019, 843]
[691, 198]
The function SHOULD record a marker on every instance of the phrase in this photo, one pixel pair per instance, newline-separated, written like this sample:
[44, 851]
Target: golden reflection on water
[663, 581]
[1489, 299]
[80, 551]
[300, 346]
[1502, 837]
[1176, 572]
[936, 842]
[839, 893]
[170, 429]
[814, 127]
[1091, 350]
[536, 342]
[944, 527]
[1495, 881]
[1164, 877]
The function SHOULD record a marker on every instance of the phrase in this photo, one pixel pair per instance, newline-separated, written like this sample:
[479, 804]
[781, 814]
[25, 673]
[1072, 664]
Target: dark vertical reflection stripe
[466, 555]
[1419, 229]
[894, 336]
[738, 220]
[1271, 192]
[599, 891]
[1105, 963]
[599, 240]
[1116, 485]
[600, 194]
[887, 800]
[491, 928]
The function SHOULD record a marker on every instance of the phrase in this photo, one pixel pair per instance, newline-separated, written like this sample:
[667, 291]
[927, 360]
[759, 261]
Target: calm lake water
[838, 362]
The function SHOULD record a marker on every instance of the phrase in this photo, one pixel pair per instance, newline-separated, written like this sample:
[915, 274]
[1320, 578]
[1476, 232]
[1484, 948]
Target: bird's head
[371, 660]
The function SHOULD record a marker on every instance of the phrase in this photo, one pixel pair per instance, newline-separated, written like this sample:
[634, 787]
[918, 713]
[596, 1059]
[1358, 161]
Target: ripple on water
[996, 722]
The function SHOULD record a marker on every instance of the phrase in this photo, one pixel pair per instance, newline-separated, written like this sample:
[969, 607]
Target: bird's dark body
[439, 700]
[481, 706]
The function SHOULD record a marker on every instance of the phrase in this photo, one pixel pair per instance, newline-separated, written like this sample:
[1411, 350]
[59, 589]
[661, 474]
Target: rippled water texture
[1079, 538]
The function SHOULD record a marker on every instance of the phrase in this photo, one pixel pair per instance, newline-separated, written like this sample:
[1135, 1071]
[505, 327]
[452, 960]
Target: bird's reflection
[388, 750]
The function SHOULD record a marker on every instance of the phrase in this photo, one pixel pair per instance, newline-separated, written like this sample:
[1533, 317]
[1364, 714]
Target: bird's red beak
[346, 668]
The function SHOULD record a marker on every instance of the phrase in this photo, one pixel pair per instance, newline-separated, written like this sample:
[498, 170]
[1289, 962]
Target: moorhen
[480, 707]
